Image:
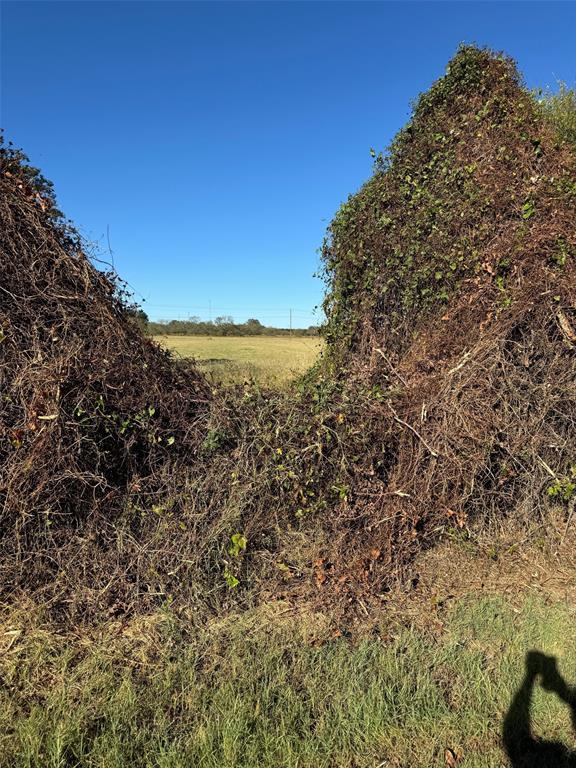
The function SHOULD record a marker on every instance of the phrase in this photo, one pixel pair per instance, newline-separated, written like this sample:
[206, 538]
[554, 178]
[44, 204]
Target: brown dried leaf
[566, 328]
[451, 758]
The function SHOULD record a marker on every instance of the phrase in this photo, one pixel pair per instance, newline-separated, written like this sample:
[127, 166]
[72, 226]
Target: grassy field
[271, 689]
[267, 359]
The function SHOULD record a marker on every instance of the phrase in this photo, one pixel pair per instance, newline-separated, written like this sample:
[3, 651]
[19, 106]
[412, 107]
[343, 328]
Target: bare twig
[389, 364]
[414, 431]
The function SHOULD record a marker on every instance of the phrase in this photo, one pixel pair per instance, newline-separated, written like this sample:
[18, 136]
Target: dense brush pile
[447, 396]
[90, 410]
[452, 303]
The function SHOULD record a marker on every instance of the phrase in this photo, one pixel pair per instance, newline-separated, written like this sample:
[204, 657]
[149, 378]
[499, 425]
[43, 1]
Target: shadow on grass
[522, 748]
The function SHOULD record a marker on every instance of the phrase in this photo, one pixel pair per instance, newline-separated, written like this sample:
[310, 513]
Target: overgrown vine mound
[91, 412]
[452, 304]
[446, 398]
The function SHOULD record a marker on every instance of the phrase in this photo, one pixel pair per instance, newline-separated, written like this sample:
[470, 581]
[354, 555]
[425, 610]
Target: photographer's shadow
[523, 749]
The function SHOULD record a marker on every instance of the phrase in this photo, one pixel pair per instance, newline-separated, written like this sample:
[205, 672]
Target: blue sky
[211, 143]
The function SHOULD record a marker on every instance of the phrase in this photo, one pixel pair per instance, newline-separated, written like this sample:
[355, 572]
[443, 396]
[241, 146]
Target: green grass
[267, 359]
[255, 691]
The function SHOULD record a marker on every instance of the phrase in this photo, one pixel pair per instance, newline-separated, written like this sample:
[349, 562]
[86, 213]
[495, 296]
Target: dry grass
[269, 360]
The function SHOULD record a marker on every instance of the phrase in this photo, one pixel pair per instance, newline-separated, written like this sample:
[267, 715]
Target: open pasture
[231, 359]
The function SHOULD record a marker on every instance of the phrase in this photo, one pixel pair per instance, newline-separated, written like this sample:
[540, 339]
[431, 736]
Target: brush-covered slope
[90, 410]
[452, 306]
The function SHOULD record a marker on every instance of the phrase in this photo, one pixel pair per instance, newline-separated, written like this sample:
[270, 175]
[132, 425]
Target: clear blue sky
[214, 141]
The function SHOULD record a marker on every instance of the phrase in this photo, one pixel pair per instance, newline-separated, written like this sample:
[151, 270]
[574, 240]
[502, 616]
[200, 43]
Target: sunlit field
[266, 359]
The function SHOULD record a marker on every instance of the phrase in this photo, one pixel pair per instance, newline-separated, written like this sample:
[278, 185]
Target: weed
[563, 488]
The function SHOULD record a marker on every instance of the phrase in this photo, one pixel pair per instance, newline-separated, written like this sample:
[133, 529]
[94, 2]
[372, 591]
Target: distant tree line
[221, 326]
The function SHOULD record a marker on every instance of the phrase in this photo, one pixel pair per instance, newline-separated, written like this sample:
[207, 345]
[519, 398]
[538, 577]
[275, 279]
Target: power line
[210, 307]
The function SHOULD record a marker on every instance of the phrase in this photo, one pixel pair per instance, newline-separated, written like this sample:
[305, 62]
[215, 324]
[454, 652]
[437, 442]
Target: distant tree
[253, 327]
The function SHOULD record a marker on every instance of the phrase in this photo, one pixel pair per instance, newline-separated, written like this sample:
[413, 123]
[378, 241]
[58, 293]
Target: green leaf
[528, 209]
[230, 579]
[238, 545]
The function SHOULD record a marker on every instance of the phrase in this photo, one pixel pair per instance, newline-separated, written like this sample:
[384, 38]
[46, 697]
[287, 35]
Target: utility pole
[210, 309]
[290, 322]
